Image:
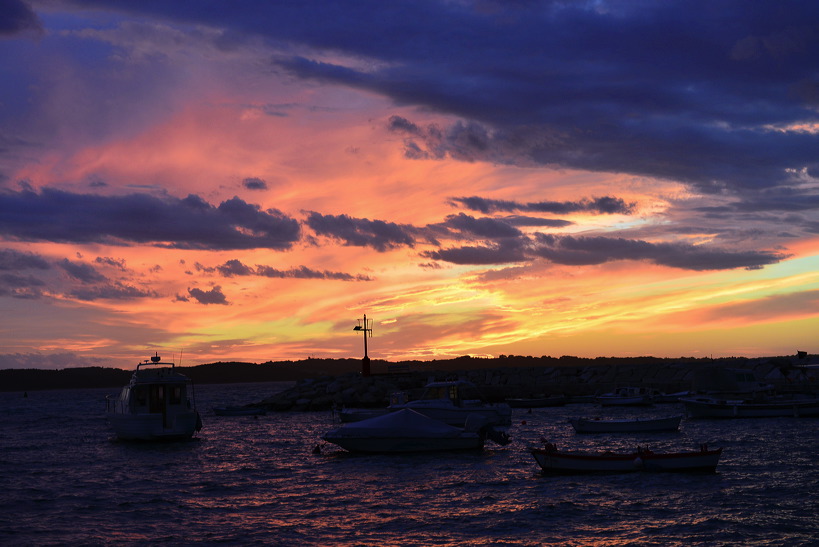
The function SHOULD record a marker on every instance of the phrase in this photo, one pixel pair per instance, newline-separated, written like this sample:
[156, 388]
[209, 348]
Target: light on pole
[365, 326]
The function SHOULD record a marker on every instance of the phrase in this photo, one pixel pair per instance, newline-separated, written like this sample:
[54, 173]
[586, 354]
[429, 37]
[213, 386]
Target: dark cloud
[517, 220]
[481, 227]
[586, 251]
[113, 262]
[235, 267]
[692, 91]
[570, 250]
[361, 232]
[110, 291]
[666, 89]
[304, 272]
[93, 284]
[15, 260]
[503, 252]
[81, 271]
[20, 286]
[600, 205]
[189, 223]
[213, 296]
[16, 16]
[254, 183]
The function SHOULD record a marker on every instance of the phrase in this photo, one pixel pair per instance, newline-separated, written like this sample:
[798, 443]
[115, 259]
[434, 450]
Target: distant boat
[537, 402]
[552, 460]
[759, 406]
[405, 431]
[453, 401]
[625, 425]
[347, 415]
[628, 396]
[155, 405]
[247, 410]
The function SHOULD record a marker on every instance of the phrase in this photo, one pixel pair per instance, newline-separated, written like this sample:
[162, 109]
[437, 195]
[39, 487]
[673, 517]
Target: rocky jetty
[497, 384]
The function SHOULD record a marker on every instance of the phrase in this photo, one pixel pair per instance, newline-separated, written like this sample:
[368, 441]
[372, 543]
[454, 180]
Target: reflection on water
[249, 480]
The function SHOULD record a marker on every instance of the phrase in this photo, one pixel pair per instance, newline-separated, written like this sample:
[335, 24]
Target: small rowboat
[552, 460]
[633, 425]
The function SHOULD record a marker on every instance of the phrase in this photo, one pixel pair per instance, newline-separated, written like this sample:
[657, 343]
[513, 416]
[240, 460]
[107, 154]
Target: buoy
[523, 422]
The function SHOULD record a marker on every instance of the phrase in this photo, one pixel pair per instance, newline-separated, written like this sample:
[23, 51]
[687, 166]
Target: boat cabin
[458, 392]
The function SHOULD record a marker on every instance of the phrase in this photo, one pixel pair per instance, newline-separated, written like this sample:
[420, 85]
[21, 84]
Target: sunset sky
[244, 180]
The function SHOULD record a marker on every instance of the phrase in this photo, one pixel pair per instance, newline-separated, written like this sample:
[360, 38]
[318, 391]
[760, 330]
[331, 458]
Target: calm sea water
[63, 480]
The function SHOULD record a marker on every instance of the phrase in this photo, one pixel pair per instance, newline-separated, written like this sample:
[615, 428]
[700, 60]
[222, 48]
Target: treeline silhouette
[281, 371]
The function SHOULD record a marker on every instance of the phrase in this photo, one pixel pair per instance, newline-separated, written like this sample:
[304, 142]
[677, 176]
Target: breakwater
[497, 384]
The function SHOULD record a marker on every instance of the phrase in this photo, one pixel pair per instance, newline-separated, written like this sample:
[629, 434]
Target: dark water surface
[252, 481]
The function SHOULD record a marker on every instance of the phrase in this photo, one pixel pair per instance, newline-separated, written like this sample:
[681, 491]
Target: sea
[271, 480]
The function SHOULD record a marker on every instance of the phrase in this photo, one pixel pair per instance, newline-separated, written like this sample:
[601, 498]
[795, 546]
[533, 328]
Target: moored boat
[406, 431]
[452, 402]
[627, 396]
[759, 406]
[625, 425]
[552, 460]
[537, 402]
[155, 405]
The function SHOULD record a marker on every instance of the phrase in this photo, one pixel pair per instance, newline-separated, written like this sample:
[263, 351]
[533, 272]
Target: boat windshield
[452, 392]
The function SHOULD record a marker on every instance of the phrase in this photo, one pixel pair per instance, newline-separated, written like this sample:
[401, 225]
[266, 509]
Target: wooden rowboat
[552, 460]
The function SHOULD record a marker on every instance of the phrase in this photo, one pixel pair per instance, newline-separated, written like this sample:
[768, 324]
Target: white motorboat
[155, 405]
[406, 431]
[625, 425]
[453, 401]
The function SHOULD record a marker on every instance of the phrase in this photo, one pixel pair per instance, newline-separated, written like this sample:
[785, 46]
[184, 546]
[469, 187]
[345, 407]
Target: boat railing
[115, 404]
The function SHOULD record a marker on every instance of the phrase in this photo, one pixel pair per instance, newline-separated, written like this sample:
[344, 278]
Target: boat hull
[406, 444]
[553, 461]
[714, 408]
[591, 425]
[403, 431]
[152, 427]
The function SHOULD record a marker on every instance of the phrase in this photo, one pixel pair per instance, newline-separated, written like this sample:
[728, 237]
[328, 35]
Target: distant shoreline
[238, 372]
